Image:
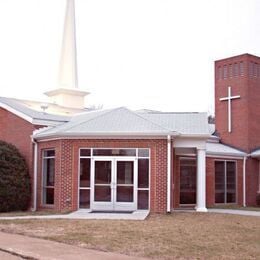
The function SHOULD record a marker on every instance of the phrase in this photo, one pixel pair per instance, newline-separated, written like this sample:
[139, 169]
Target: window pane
[143, 173]
[143, 199]
[102, 193]
[219, 182]
[84, 199]
[114, 152]
[49, 172]
[125, 194]
[49, 153]
[125, 172]
[84, 172]
[143, 152]
[102, 172]
[231, 182]
[48, 196]
[85, 152]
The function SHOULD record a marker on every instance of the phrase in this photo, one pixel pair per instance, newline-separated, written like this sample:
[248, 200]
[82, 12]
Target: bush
[15, 190]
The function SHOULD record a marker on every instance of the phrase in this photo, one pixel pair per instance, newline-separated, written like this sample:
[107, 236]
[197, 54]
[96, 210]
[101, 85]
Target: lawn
[179, 235]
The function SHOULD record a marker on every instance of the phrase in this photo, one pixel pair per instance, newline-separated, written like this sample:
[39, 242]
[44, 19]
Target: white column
[201, 180]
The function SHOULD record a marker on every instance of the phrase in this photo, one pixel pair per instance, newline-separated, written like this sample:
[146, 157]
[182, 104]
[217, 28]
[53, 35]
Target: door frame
[113, 205]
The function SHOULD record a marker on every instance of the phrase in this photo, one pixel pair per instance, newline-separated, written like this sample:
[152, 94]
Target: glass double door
[114, 184]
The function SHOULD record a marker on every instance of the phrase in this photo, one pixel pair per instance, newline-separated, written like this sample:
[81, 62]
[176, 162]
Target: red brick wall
[18, 131]
[66, 169]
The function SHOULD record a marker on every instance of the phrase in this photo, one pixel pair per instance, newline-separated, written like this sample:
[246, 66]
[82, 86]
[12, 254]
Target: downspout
[244, 181]
[35, 166]
[168, 174]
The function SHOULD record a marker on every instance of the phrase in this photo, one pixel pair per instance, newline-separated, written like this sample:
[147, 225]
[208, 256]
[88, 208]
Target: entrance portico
[194, 149]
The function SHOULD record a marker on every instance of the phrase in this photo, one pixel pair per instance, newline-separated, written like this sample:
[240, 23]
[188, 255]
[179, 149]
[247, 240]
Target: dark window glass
[143, 173]
[84, 172]
[143, 199]
[48, 196]
[143, 152]
[219, 182]
[84, 199]
[114, 152]
[231, 182]
[49, 153]
[225, 182]
[102, 172]
[125, 194]
[48, 176]
[85, 152]
[188, 175]
[125, 172]
[102, 193]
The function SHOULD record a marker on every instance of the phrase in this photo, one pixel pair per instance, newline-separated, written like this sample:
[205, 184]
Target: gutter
[244, 181]
[35, 166]
[168, 173]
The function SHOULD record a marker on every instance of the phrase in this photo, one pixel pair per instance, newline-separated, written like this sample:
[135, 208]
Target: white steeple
[67, 94]
[68, 74]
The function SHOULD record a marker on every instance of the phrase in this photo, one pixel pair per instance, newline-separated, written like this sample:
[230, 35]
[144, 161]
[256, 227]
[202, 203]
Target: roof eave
[124, 135]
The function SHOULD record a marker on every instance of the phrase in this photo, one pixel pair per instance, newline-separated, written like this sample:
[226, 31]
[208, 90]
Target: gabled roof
[26, 110]
[124, 122]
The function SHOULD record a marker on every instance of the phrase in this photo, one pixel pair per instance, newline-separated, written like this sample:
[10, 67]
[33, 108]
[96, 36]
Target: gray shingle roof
[122, 121]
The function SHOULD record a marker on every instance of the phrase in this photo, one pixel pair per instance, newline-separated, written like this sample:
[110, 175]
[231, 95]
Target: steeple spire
[67, 94]
[68, 74]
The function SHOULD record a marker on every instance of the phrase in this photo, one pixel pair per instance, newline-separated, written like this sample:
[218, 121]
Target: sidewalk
[236, 212]
[48, 250]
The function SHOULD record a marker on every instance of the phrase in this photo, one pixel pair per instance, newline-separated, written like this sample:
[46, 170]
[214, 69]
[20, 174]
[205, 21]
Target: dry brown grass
[179, 235]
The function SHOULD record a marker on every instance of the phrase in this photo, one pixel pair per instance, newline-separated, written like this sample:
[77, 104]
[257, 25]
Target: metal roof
[37, 117]
[122, 121]
[214, 148]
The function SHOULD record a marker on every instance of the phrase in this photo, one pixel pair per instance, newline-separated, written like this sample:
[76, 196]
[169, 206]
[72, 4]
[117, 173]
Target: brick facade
[18, 131]
[67, 163]
[245, 111]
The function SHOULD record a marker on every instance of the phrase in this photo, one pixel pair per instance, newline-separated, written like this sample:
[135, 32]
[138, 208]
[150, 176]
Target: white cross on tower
[229, 98]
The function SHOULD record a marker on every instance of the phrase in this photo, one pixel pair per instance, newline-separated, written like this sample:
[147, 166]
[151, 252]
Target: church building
[124, 160]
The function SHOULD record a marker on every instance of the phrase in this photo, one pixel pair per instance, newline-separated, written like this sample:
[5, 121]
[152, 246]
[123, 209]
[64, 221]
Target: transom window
[48, 176]
[225, 182]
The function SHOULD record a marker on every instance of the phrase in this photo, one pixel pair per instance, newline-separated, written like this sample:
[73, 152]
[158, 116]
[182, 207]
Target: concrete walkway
[236, 212]
[36, 248]
[84, 214]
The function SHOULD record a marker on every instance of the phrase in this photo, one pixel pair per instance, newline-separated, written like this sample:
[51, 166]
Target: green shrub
[15, 190]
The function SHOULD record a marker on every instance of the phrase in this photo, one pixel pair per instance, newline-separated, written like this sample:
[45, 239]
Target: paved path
[84, 214]
[48, 250]
[236, 212]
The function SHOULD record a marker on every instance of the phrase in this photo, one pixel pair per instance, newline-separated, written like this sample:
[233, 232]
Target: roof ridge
[146, 119]
[107, 112]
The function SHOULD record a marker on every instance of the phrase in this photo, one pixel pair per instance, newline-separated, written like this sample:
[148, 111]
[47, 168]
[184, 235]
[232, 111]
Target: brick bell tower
[237, 101]
[237, 111]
